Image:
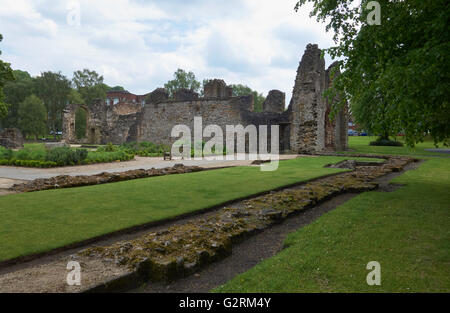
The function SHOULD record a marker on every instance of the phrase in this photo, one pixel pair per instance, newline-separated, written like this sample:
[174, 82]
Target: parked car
[351, 132]
[363, 134]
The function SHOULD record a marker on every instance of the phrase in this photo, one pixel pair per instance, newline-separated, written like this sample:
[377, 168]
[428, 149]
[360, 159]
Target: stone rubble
[66, 181]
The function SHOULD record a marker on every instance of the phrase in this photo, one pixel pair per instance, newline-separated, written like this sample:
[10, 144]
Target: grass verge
[406, 231]
[361, 145]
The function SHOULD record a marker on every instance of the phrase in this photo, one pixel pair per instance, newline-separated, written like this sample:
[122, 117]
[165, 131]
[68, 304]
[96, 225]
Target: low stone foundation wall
[66, 181]
[183, 249]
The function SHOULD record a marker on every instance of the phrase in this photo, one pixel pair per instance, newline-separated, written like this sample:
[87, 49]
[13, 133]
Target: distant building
[116, 97]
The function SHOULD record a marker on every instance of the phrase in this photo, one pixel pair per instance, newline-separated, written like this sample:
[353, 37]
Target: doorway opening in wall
[81, 123]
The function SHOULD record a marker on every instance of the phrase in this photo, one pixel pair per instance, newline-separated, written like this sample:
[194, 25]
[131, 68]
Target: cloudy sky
[139, 44]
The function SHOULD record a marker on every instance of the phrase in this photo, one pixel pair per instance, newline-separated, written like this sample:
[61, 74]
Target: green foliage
[75, 97]
[32, 114]
[103, 157]
[145, 149]
[241, 90]
[15, 93]
[396, 74]
[5, 154]
[27, 163]
[181, 80]
[386, 143]
[108, 148]
[35, 155]
[90, 85]
[66, 156]
[54, 90]
[6, 74]
[116, 88]
[80, 123]
[361, 145]
[29, 154]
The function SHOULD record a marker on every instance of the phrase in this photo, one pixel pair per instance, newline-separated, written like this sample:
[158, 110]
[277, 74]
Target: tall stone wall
[308, 105]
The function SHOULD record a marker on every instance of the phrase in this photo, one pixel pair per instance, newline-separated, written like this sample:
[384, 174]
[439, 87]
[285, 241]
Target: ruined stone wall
[217, 88]
[11, 138]
[158, 119]
[304, 127]
[105, 123]
[275, 102]
[308, 105]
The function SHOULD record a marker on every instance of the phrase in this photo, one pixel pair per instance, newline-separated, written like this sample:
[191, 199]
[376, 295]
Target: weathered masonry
[305, 126]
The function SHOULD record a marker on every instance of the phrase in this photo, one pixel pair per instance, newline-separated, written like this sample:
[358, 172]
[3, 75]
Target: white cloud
[139, 44]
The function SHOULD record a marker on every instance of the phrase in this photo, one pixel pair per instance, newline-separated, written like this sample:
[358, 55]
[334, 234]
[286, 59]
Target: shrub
[28, 163]
[111, 148]
[60, 157]
[66, 156]
[144, 149]
[385, 142]
[102, 157]
[5, 154]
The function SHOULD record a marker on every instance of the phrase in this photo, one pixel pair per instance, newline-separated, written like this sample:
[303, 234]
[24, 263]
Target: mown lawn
[406, 231]
[41, 221]
[361, 145]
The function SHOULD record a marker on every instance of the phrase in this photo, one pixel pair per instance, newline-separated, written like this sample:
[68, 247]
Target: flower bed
[38, 156]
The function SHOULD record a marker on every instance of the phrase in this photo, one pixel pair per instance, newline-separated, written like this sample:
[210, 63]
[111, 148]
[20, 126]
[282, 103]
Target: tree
[181, 80]
[90, 85]
[15, 93]
[53, 89]
[116, 88]
[395, 74]
[242, 90]
[32, 114]
[75, 97]
[80, 123]
[6, 75]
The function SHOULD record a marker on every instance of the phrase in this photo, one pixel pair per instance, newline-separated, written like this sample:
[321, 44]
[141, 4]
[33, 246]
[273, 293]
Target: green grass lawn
[41, 221]
[406, 231]
[361, 145]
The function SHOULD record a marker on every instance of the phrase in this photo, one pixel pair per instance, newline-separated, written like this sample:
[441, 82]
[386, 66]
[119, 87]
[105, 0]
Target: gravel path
[22, 173]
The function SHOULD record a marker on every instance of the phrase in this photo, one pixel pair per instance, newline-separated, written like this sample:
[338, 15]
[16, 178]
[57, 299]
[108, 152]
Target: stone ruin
[305, 126]
[311, 128]
[11, 138]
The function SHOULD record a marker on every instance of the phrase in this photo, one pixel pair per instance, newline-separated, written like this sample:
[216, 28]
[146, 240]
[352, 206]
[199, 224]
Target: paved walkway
[446, 151]
[22, 173]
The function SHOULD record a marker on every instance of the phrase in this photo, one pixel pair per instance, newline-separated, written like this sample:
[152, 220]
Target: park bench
[167, 156]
